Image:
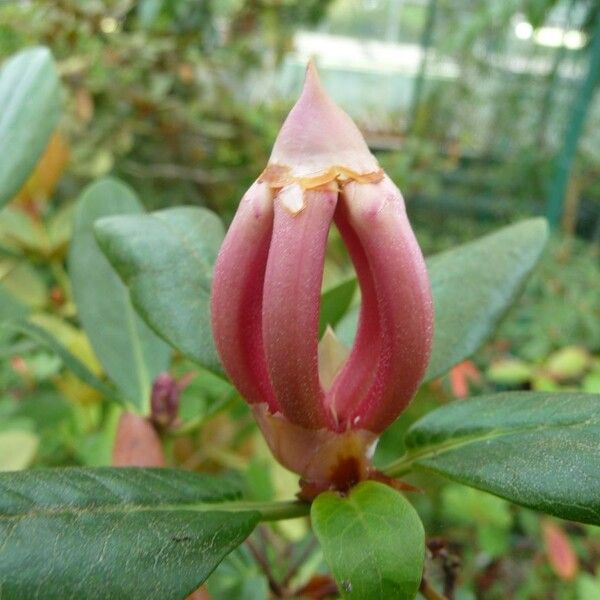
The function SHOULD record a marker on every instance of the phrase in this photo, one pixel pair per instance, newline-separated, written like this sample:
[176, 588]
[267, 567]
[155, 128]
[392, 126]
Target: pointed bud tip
[312, 83]
[318, 137]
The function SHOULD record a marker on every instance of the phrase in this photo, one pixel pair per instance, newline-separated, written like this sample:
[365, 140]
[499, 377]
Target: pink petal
[291, 306]
[237, 295]
[356, 376]
[398, 309]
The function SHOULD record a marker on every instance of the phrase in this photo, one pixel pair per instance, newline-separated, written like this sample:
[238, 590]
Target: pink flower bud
[164, 399]
[321, 411]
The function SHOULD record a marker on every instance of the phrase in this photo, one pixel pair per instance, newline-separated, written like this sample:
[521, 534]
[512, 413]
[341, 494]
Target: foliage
[153, 89]
[560, 306]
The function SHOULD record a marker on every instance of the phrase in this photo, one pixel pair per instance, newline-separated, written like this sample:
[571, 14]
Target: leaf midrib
[432, 451]
[215, 506]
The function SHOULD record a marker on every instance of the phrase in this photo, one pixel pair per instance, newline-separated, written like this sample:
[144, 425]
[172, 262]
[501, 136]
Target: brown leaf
[559, 550]
[137, 444]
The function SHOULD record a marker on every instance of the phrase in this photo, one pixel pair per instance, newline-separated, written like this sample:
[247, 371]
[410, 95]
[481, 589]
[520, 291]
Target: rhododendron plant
[176, 311]
[321, 412]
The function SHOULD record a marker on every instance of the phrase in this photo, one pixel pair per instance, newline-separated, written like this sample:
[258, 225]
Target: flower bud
[164, 399]
[321, 408]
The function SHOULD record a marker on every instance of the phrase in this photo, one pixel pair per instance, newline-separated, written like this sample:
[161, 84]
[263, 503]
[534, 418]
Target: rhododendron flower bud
[321, 409]
[164, 399]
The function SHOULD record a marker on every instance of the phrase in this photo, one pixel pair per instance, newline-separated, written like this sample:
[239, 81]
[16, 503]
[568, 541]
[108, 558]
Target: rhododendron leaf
[29, 112]
[130, 352]
[373, 541]
[115, 533]
[538, 449]
[166, 260]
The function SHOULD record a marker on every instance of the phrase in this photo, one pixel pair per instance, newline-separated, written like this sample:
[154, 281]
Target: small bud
[164, 400]
[321, 407]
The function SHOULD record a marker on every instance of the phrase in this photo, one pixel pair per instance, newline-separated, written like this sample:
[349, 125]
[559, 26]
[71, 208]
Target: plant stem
[263, 563]
[399, 467]
[278, 511]
[300, 560]
[270, 511]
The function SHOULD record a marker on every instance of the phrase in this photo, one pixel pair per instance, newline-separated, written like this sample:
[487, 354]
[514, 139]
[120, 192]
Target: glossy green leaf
[541, 450]
[131, 354]
[166, 259]
[114, 533]
[335, 302]
[38, 333]
[372, 540]
[473, 286]
[29, 112]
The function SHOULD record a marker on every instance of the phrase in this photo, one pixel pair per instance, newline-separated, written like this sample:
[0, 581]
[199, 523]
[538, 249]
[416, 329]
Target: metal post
[579, 110]
[426, 38]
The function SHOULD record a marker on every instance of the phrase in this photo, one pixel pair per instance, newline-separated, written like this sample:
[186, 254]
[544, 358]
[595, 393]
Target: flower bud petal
[292, 290]
[237, 296]
[397, 310]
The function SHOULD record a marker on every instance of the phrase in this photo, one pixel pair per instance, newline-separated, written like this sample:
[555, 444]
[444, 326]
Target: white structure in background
[339, 52]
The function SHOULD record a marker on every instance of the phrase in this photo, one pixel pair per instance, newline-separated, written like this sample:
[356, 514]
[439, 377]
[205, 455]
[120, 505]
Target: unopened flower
[164, 398]
[321, 409]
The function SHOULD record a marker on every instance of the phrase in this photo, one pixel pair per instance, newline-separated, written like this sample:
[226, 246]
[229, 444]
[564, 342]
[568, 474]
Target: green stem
[400, 466]
[272, 511]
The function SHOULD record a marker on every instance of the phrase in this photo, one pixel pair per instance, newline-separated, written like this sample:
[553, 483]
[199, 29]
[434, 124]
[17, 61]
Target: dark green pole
[579, 110]
[426, 38]
[552, 81]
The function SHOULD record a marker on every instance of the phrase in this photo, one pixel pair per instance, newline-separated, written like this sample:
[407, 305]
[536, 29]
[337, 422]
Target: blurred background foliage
[481, 111]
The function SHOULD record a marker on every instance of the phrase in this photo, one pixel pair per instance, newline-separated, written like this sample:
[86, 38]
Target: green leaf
[114, 533]
[17, 450]
[372, 540]
[29, 112]
[540, 450]
[334, 303]
[23, 282]
[166, 259]
[11, 307]
[39, 334]
[473, 286]
[131, 354]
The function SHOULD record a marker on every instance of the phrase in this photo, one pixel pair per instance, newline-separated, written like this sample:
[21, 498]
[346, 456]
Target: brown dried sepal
[346, 475]
[279, 176]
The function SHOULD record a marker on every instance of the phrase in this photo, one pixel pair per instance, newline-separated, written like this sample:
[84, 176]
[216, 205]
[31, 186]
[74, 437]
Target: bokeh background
[483, 112]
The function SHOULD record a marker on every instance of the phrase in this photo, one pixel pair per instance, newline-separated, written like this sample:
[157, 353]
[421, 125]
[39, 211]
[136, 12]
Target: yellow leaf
[17, 449]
